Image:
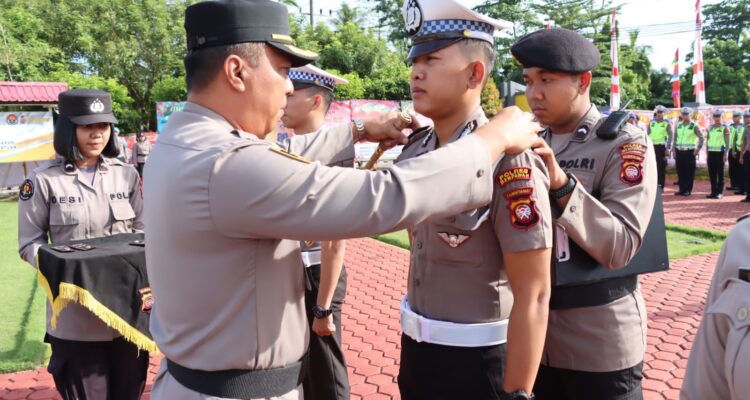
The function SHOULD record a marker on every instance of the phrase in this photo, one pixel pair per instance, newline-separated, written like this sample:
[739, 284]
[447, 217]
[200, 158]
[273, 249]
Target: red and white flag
[614, 95]
[699, 83]
[676, 79]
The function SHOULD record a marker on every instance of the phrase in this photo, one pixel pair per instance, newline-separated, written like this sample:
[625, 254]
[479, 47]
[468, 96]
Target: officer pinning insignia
[453, 240]
[631, 170]
[310, 75]
[27, 190]
[279, 150]
[516, 174]
[523, 212]
[436, 24]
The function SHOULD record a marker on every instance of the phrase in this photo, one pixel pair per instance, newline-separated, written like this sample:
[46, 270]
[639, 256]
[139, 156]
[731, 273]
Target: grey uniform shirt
[227, 212]
[456, 270]
[720, 358]
[66, 206]
[610, 228]
[141, 150]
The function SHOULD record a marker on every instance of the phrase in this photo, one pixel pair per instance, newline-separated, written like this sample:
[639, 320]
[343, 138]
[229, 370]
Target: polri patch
[523, 212]
[633, 148]
[27, 190]
[504, 178]
[285, 153]
[631, 170]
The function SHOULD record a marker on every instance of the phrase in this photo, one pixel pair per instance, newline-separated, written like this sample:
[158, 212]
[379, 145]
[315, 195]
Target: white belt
[446, 333]
[311, 258]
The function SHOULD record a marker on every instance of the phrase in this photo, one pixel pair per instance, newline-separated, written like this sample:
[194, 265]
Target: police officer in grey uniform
[603, 185]
[325, 286]
[230, 208]
[474, 318]
[86, 192]
[141, 150]
[720, 358]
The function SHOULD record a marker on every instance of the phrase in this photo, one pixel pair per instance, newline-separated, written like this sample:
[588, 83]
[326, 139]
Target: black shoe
[739, 192]
[732, 188]
[711, 196]
[718, 196]
[679, 194]
[687, 194]
[745, 200]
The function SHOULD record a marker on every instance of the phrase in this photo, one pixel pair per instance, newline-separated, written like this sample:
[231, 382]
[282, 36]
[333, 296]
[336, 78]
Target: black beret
[226, 22]
[86, 106]
[556, 49]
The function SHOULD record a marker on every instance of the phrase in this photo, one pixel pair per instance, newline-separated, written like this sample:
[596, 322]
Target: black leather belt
[592, 294]
[241, 383]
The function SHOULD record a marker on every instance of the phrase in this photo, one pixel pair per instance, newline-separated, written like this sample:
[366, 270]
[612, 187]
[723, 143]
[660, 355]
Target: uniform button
[742, 314]
[419, 245]
[417, 282]
[572, 208]
[480, 173]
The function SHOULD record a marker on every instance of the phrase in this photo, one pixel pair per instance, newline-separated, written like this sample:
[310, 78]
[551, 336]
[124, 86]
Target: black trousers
[736, 175]
[565, 384]
[326, 378]
[661, 163]
[434, 372]
[139, 167]
[715, 163]
[685, 160]
[113, 370]
[746, 170]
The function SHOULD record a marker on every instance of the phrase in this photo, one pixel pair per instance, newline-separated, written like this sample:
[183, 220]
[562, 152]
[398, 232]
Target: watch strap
[566, 189]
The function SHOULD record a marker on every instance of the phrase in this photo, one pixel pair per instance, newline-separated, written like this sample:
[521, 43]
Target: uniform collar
[104, 165]
[210, 114]
[585, 126]
[476, 119]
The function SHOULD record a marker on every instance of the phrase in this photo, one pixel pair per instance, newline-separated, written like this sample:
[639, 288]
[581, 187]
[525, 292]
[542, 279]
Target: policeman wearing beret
[474, 318]
[84, 193]
[736, 131]
[660, 132]
[325, 286]
[603, 188]
[720, 356]
[229, 208]
[687, 145]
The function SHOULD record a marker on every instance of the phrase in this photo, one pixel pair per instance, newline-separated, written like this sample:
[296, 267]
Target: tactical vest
[686, 137]
[716, 138]
[735, 136]
[659, 132]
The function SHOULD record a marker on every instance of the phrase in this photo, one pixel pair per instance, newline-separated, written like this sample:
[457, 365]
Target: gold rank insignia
[279, 150]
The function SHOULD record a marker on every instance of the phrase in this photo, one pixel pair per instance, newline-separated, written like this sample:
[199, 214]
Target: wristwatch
[320, 312]
[566, 189]
[359, 125]
[517, 395]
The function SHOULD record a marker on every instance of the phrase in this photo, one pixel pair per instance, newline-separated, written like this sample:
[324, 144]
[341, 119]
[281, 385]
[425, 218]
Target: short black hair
[484, 49]
[65, 140]
[201, 65]
[325, 94]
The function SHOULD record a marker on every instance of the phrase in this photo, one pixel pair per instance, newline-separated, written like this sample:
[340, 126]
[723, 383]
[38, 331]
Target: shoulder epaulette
[417, 135]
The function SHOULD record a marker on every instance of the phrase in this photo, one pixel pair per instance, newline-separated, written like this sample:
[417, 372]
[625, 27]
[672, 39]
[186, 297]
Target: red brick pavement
[377, 279]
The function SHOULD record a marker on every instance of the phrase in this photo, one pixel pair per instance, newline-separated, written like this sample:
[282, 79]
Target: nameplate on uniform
[580, 268]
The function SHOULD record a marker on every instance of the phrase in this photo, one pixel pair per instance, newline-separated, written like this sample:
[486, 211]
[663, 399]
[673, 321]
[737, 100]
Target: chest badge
[453, 239]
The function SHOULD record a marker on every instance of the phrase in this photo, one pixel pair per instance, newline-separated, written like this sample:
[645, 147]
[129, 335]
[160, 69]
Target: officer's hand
[511, 131]
[324, 326]
[557, 177]
[383, 129]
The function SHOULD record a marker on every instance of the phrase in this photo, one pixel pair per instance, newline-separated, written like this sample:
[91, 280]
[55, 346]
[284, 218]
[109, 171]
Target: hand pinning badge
[402, 122]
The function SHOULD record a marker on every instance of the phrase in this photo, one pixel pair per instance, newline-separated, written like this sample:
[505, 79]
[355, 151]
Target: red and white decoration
[699, 84]
[614, 96]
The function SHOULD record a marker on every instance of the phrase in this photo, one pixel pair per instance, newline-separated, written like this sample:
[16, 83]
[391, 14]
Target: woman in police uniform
[86, 192]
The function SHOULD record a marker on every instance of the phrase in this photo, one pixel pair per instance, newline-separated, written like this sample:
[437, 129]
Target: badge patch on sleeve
[631, 169]
[504, 178]
[523, 212]
[27, 190]
[285, 153]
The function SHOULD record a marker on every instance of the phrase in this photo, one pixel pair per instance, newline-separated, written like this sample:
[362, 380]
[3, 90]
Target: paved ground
[377, 277]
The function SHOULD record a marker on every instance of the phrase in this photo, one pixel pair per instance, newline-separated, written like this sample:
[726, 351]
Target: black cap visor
[92, 119]
[430, 46]
[298, 57]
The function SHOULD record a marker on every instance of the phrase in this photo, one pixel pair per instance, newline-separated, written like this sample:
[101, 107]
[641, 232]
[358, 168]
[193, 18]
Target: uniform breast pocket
[122, 210]
[66, 221]
[458, 241]
[585, 178]
[734, 303]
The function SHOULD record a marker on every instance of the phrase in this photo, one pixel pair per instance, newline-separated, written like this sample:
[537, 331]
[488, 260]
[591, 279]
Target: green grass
[682, 241]
[21, 302]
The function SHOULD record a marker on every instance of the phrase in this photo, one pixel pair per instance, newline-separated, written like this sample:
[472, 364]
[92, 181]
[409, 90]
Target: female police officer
[84, 193]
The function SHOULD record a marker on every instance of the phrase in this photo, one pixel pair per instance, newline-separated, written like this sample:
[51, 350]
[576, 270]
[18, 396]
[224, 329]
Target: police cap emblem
[413, 17]
[96, 106]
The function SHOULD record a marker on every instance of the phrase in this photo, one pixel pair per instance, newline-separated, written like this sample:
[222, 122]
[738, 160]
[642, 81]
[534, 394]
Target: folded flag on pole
[614, 96]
